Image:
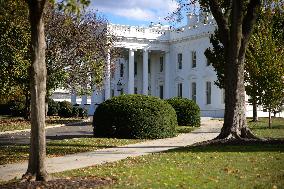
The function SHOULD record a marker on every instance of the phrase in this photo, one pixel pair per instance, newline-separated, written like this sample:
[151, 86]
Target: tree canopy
[264, 60]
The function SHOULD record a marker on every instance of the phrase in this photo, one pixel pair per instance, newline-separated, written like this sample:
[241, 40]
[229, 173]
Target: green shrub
[75, 111]
[65, 109]
[83, 112]
[188, 112]
[134, 116]
[5, 109]
[17, 107]
[53, 107]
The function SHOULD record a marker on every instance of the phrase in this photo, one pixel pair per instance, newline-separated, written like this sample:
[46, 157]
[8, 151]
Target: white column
[84, 100]
[131, 72]
[167, 75]
[107, 77]
[145, 72]
[73, 98]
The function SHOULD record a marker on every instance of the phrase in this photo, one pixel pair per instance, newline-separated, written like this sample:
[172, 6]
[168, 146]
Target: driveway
[75, 130]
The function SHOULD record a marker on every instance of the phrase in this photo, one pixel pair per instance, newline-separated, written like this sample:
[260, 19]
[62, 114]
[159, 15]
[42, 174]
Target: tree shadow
[62, 137]
[271, 145]
[264, 127]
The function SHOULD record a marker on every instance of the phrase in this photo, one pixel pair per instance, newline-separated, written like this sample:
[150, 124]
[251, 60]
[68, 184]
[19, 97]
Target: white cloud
[142, 10]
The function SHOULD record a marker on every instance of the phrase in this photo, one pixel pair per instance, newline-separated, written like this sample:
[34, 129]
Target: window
[149, 65]
[223, 96]
[180, 61]
[161, 64]
[161, 91]
[121, 70]
[135, 68]
[112, 92]
[193, 55]
[179, 90]
[208, 92]
[135, 90]
[193, 91]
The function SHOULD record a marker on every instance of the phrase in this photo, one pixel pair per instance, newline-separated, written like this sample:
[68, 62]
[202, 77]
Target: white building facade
[163, 62]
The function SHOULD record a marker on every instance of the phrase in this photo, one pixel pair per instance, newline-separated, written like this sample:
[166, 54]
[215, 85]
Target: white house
[164, 62]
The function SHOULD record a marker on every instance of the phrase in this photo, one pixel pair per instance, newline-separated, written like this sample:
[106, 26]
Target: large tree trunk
[235, 125]
[36, 166]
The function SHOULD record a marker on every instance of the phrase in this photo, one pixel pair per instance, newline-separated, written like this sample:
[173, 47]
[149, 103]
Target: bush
[65, 109]
[83, 112]
[75, 111]
[188, 112]
[17, 107]
[134, 116]
[53, 107]
[5, 109]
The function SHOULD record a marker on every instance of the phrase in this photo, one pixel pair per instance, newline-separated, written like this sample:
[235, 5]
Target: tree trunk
[254, 110]
[235, 125]
[36, 166]
[269, 119]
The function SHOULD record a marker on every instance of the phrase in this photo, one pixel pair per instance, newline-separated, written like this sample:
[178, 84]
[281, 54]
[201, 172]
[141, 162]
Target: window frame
[193, 91]
[161, 64]
[161, 91]
[179, 57]
[121, 70]
[193, 59]
[179, 90]
[208, 92]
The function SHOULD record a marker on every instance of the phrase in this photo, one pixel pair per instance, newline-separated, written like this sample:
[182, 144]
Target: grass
[185, 129]
[8, 123]
[260, 128]
[250, 166]
[18, 153]
[258, 166]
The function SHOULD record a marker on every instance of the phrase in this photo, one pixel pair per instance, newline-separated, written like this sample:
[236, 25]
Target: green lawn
[8, 123]
[260, 128]
[185, 129]
[247, 166]
[250, 166]
[258, 166]
[18, 153]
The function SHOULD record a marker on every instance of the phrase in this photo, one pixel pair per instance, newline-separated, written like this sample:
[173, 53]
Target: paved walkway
[59, 132]
[207, 131]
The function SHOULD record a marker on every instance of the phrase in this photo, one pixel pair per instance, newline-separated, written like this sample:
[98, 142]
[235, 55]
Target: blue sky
[135, 12]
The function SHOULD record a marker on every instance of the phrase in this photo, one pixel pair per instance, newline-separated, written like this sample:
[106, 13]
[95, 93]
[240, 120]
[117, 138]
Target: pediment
[179, 79]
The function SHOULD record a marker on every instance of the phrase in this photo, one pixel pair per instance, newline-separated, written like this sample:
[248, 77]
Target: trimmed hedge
[134, 116]
[75, 111]
[53, 107]
[17, 107]
[83, 112]
[65, 109]
[188, 112]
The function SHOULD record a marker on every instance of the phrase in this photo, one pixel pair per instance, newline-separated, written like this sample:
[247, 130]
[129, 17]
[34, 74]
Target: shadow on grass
[264, 127]
[62, 137]
[264, 146]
